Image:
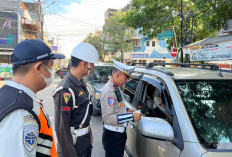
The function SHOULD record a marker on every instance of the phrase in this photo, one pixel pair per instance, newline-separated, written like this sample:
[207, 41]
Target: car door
[153, 147]
[130, 92]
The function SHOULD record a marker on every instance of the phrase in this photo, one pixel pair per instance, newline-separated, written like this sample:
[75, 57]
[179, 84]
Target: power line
[74, 19]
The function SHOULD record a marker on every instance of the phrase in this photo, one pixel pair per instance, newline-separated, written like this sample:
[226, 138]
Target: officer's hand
[137, 116]
[130, 110]
[91, 139]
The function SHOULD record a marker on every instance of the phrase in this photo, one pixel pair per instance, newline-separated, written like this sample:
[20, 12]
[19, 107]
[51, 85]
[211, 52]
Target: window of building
[147, 43]
[153, 43]
[129, 90]
[137, 42]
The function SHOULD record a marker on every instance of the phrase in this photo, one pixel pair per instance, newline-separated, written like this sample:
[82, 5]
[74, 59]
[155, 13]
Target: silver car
[187, 112]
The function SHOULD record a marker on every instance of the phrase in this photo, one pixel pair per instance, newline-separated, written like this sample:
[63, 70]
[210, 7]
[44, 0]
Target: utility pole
[181, 32]
[40, 23]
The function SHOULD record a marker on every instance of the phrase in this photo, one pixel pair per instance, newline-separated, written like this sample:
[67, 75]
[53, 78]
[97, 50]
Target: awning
[5, 53]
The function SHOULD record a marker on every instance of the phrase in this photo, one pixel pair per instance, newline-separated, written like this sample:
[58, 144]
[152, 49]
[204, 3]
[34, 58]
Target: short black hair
[24, 69]
[75, 61]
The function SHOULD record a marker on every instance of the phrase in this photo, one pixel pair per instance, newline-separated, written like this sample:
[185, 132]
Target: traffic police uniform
[115, 116]
[73, 112]
[25, 128]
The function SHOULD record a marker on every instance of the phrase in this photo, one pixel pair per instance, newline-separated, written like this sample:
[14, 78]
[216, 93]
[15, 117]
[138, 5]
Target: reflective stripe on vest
[46, 143]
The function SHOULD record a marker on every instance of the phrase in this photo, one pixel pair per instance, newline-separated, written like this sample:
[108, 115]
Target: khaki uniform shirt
[110, 106]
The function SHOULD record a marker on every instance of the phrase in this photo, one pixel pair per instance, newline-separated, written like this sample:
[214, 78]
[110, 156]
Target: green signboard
[164, 35]
[5, 69]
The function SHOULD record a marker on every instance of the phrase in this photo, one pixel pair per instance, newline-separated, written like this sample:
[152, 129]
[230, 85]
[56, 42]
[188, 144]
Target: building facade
[18, 23]
[147, 50]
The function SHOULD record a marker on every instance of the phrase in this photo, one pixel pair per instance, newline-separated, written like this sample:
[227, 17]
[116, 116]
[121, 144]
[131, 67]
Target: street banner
[8, 30]
[222, 51]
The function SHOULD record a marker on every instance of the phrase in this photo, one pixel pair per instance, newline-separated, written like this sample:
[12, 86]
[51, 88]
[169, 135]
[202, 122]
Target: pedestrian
[115, 115]
[73, 109]
[25, 128]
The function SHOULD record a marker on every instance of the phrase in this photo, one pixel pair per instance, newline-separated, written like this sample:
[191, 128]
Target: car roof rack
[134, 63]
[163, 71]
[211, 66]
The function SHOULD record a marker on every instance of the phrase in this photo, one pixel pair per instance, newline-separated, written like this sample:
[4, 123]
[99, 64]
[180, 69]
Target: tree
[200, 18]
[118, 36]
[98, 42]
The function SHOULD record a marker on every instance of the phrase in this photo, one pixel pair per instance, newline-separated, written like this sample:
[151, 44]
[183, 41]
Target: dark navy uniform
[72, 117]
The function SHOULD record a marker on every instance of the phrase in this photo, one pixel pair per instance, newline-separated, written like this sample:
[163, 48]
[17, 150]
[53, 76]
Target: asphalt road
[96, 121]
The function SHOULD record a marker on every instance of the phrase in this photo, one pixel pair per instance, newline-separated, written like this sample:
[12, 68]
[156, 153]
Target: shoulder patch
[30, 134]
[67, 97]
[111, 101]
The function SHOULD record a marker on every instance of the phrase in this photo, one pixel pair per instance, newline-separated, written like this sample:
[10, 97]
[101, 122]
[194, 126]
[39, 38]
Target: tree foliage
[98, 42]
[201, 18]
[118, 36]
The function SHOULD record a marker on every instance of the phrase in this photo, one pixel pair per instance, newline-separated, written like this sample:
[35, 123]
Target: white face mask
[49, 80]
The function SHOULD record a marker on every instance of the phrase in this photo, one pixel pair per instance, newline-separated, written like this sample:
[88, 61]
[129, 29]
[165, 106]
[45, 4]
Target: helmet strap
[88, 69]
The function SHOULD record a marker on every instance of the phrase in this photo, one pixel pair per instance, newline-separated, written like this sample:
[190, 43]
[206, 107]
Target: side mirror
[156, 128]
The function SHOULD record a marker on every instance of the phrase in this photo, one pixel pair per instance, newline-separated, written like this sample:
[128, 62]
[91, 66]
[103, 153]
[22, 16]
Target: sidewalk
[2, 83]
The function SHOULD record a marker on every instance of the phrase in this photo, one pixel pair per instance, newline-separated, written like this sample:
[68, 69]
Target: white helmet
[85, 52]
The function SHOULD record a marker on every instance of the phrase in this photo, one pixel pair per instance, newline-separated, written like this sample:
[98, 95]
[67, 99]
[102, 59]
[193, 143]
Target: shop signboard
[8, 30]
[139, 56]
[222, 51]
[6, 71]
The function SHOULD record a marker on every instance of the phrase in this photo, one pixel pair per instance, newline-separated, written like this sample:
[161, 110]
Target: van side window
[129, 90]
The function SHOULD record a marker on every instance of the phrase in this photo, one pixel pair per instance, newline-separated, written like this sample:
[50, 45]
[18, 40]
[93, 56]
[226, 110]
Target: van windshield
[102, 74]
[209, 105]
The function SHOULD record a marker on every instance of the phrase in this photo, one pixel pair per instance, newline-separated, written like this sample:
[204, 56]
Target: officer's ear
[82, 64]
[37, 66]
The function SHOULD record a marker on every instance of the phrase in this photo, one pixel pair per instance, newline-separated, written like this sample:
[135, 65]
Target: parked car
[193, 117]
[100, 76]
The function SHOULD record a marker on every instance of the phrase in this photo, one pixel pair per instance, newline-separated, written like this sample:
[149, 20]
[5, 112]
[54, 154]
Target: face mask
[49, 80]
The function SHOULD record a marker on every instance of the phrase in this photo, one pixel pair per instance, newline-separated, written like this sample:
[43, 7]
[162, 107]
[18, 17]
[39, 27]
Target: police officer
[25, 128]
[114, 113]
[73, 109]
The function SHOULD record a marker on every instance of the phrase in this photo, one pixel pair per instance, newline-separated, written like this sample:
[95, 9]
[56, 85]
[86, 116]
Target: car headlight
[97, 96]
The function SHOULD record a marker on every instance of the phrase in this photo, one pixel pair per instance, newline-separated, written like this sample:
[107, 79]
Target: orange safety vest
[20, 100]
[46, 143]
